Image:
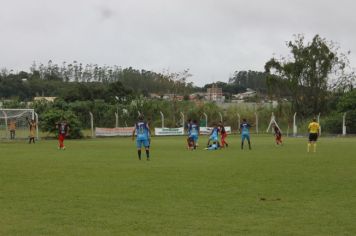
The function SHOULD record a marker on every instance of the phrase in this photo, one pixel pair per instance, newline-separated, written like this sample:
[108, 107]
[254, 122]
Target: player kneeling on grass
[214, 146]
[142, 137]
[63, 131]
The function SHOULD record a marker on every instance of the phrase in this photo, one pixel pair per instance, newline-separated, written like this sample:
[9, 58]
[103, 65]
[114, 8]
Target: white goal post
[14, 123]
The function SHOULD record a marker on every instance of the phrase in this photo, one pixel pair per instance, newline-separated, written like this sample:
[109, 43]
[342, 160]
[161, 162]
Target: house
[215, 94]
[241, 96]
[47, 99]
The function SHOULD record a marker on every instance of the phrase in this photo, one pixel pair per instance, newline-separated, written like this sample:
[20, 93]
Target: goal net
[14, 123]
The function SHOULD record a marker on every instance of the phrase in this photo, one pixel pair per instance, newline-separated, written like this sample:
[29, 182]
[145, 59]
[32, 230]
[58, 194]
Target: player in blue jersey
[214, 135]
[193, 134]
[245, 133]
[214, 146]
[142, 132]
[189, 139]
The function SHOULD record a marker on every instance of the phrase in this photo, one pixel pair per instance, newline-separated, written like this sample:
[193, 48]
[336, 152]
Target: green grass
[98, 187]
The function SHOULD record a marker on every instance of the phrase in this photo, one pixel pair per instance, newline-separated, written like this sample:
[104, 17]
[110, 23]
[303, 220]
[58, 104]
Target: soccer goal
[14, 123]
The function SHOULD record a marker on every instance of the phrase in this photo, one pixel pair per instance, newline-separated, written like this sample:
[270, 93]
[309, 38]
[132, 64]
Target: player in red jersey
[277, 134]
[63, 131]
[223, 135]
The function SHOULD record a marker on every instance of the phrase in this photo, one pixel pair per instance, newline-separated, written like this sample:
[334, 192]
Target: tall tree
[308, 74]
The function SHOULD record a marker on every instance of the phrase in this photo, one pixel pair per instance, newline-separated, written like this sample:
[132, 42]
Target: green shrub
[50, 118]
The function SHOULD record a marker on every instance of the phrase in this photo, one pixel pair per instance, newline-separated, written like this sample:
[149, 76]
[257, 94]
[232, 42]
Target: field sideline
[98, 187]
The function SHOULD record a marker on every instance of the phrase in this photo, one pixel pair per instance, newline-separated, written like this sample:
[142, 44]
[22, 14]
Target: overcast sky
[213, 38]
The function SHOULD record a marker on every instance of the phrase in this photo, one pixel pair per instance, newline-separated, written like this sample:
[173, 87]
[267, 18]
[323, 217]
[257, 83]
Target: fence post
[6, 126]
[92, 124]
[238, 121]
[36, 118]
[206, 119]
[256, 115]
[294, 125]
[116, 119]
[221, 117]
[162, 119]
[183, 121]
[319, 123]
[344, 124]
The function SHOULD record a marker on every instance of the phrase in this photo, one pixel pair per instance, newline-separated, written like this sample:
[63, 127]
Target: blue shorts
[245, 136]
[142, 142]
[213, 138]
[194, 137]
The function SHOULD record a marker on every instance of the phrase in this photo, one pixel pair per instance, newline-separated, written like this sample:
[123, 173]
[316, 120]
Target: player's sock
[242, 145]
[314, 148]
[308, 149]
[249, 145]
[148, 154]
[139, 154]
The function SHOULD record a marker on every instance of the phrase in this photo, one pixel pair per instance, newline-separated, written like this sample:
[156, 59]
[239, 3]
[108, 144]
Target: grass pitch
[98, 187]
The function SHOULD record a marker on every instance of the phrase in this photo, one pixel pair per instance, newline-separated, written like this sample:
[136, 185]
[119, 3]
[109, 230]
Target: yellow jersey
[314, 127]
[32, 129]
[12, 125]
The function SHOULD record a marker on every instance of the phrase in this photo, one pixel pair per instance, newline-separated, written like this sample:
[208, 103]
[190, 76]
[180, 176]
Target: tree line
[314, 78]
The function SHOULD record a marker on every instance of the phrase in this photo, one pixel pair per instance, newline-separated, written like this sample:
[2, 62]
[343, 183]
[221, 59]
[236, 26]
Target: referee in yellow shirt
[314, 131]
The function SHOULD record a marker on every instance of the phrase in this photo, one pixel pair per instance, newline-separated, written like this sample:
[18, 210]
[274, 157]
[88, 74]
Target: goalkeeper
[32, 125]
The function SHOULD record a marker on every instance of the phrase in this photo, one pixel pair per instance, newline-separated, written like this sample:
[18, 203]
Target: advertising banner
[169, 131]
[110, 132]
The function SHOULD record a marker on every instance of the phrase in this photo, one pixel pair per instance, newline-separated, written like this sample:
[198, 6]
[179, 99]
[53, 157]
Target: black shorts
[313, 137]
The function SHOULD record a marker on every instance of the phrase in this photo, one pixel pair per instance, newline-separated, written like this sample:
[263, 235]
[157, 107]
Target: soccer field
[99, 187]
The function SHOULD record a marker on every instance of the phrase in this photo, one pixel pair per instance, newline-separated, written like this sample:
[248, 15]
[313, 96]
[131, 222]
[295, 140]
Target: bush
[351, 122]
[49, 119]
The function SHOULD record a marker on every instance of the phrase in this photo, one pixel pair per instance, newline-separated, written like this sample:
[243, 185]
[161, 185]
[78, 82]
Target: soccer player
[223, 135]
[194, 134]
[214, 146]
[142, 132]
[32, 126]
[190, 141]
[277, 134]
[214, 135]
[188, 127]
[63, 131]
[314, 131]
[12, 128]
[245, 133]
